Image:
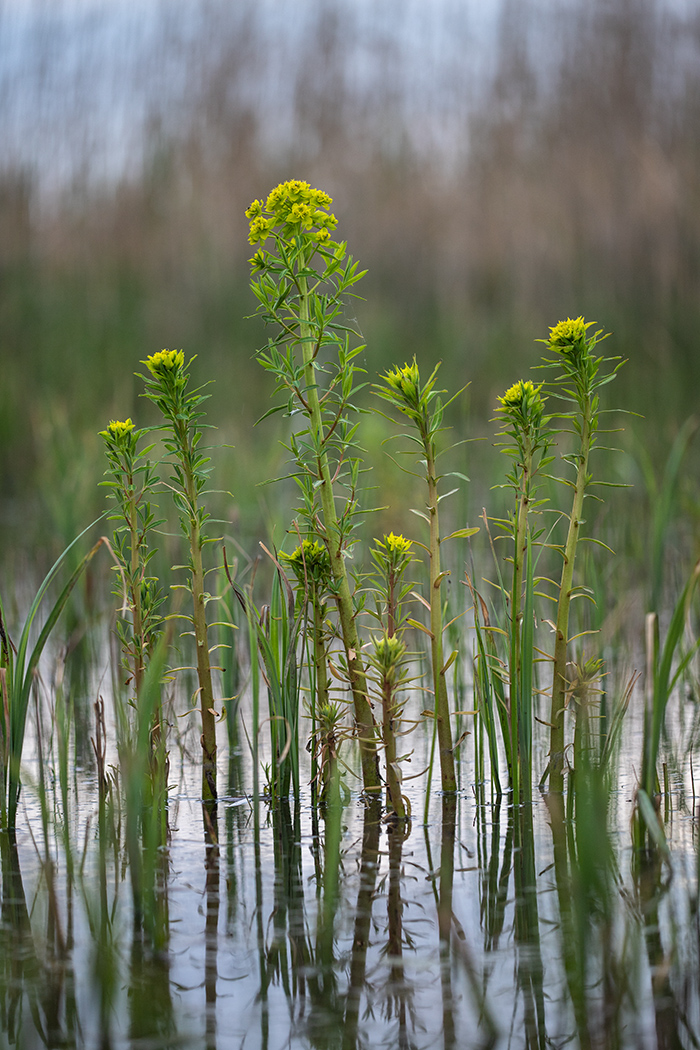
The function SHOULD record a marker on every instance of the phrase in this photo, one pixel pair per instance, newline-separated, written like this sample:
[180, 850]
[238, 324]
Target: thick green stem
[364, 720]
[559, 682]
[442, 708]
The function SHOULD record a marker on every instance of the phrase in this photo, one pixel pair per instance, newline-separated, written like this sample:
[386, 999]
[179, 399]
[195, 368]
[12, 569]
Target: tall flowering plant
[421, 403]
[167, 385]
[581, 372]
[526, 439]
[300, 277]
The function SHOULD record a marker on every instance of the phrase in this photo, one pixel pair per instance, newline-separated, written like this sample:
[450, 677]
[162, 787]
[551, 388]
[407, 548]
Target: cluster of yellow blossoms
[292, 208]
[117, 429]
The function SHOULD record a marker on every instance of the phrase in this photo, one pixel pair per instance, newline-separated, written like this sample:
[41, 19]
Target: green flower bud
[523, 404]
[569, 338]
[309, 561]
[389, 651]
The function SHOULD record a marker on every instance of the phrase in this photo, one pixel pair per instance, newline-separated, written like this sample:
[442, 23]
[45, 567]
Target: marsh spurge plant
[578, 382]
[132, 477]
[391, 556]
[527, 438]
[300, 276]
[167, 387]
[421, 403]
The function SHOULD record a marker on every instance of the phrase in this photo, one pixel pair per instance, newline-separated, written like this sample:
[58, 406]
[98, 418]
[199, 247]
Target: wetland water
[484, 926]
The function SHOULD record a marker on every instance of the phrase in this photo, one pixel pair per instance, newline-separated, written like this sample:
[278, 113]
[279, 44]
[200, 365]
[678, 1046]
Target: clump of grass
[665, 670]
[421, 403]
[300, 276]
[18, 667]
[276, 632]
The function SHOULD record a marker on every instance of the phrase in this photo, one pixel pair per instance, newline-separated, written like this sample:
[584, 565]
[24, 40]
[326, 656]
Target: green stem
[559, 683]
[199, 621]
[364, 720]
[442, 709]
[322, 687]
[519, 554]
[135, 586]
[395, 798]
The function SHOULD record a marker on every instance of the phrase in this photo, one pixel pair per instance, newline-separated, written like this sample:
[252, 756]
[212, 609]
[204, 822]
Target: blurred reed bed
[552, 169]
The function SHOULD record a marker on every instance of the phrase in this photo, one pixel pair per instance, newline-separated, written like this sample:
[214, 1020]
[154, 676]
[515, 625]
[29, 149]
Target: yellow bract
[523, 390]
[523, 405]
[310, 558]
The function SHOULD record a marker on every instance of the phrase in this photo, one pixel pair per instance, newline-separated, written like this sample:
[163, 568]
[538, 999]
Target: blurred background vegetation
[495, 166]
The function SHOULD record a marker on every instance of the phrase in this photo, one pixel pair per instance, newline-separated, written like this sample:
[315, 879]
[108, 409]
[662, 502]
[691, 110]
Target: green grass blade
[22, 681]
[664, 680]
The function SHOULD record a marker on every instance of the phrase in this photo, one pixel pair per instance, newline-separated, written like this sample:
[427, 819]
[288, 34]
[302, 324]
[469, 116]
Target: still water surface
[483, 926]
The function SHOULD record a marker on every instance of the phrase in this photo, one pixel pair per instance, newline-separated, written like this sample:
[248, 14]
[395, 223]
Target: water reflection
[495, 926]
[211, 927]
[369, 867]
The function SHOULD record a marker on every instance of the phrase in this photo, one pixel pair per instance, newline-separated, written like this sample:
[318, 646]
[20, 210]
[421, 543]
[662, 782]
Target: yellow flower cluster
[515, 395]
[294, 207]
[393, 554]
[119, 434]
[118, 430]
[397, 545]
[165, 361]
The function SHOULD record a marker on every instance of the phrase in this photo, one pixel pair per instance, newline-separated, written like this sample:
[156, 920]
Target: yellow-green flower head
[293, 207]
[388, 653]
[392, 554]
[406, 382]
[523, 404]
[397, 544]
[259, 229]
[310, 559]
[165, 361]
[569, 337]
